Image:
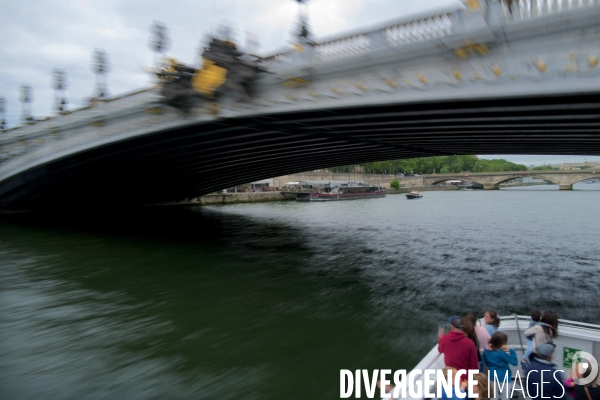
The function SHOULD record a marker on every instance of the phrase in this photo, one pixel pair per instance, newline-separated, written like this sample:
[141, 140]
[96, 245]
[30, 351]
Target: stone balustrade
[527, 9]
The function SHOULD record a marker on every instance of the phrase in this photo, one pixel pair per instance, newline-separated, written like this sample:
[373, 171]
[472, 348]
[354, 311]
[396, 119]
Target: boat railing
[561, 322]
[433, 359]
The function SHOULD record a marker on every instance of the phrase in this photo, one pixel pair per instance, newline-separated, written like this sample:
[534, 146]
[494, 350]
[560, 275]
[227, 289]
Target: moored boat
[414, 195]
[343, 191]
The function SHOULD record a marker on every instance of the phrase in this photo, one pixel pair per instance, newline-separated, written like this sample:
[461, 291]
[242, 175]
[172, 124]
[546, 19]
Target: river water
[271, 300]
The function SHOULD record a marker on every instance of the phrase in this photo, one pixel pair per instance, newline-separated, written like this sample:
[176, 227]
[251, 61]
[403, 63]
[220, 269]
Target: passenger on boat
[542, 376]
[483, 337]
[545, 331]
[492, 321]
[569, 385]
[469, 330]
[536, 315]
[459, 351]
[591, 391]
[499, 357]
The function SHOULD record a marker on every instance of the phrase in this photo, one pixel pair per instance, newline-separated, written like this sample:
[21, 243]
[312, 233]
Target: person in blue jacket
[543, 379]
[499, 357]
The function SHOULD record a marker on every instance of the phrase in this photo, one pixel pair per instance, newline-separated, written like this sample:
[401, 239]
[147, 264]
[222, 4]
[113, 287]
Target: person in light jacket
[545, 331]
[536, 315]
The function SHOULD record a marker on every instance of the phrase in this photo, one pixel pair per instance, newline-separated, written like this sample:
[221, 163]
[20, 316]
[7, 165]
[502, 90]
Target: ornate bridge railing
[442, 23]
[422, 29]
[404, 32]
[527, 9]
[400, 32]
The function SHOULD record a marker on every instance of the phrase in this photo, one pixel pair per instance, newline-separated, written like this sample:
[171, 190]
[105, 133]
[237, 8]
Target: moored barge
[345, 191]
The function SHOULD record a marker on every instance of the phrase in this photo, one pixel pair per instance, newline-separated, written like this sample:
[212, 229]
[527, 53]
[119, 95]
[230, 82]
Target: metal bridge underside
[189, 162]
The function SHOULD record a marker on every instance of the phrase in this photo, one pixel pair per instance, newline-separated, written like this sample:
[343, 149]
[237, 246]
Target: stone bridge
[492, 180]
[471, 78]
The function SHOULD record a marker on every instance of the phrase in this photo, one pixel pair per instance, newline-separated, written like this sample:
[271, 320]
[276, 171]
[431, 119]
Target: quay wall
[233, 198]
[229, 198]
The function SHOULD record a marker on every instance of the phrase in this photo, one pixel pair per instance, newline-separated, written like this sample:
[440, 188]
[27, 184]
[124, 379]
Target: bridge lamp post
[159, 40]
[100, 67]
[59, 84]
[2, 113]
[303, 33]
[252, 43]
[26, 98]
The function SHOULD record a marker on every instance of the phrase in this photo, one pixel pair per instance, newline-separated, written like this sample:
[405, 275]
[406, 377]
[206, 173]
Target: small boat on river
[414, 195]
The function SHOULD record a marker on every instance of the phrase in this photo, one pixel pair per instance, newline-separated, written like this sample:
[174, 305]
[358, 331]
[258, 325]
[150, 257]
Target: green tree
[395, 184]
[437, 164]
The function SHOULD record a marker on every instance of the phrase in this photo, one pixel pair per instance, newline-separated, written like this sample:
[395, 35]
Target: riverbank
[231, 198]
[261, 197]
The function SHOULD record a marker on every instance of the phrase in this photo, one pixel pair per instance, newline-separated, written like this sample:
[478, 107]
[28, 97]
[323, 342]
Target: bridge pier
[565, 187]
[491, 187]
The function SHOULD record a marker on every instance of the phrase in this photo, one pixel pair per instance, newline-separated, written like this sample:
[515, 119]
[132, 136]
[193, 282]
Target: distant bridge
[471, 79]
[492, 180]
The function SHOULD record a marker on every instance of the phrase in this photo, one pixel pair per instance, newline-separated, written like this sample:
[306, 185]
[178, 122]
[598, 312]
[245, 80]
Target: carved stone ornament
[224, 70]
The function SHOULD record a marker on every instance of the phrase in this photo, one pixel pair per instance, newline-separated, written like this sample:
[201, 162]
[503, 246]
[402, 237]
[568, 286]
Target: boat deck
[572, 336]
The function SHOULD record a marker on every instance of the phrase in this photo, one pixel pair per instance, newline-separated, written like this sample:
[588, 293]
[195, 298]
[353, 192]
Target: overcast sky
[39, 36]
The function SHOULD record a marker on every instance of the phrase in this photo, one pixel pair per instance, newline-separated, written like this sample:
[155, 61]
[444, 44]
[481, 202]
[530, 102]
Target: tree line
[435, 165]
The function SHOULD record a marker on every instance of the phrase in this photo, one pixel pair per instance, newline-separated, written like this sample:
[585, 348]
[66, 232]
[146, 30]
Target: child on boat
[498, 357]
[492, 321]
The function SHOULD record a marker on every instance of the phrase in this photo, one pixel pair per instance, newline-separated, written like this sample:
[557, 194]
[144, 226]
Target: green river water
[271, 300]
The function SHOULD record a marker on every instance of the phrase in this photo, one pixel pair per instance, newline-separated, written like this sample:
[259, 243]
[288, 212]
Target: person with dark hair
[469, 330]
[545, 331]
[483, 337]
[459, 351]
[536, 315]
[492, 321]
[542, 378]
[498, 357]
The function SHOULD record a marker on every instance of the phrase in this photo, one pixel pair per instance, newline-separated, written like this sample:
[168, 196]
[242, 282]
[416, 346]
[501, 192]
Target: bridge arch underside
[196, 160]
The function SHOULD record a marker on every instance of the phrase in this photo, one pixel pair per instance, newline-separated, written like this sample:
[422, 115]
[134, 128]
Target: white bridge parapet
[527, 9]
[443, 22]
